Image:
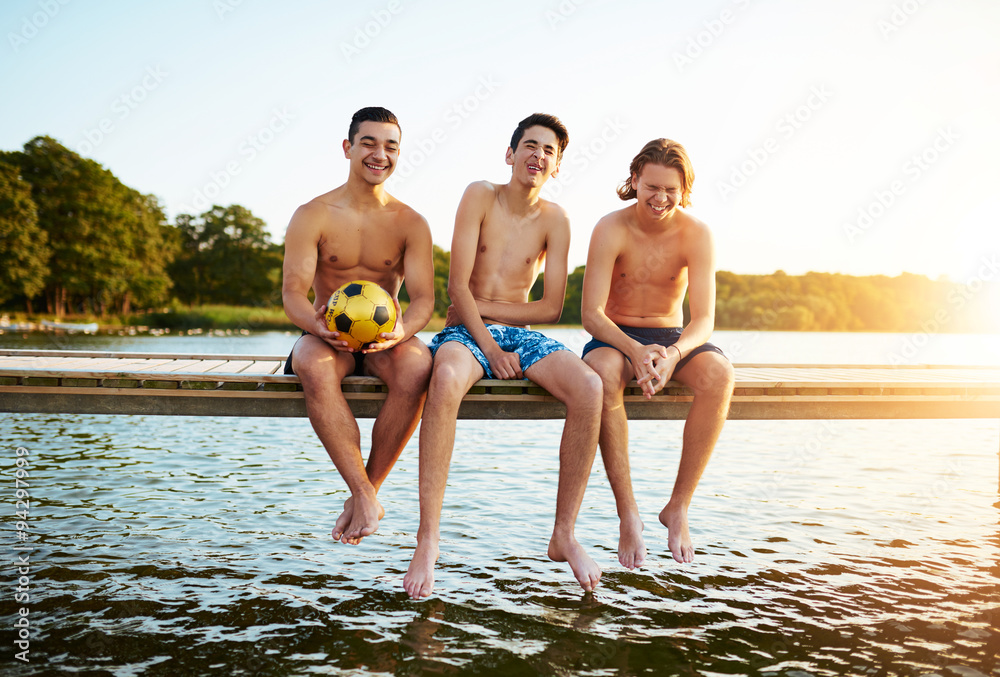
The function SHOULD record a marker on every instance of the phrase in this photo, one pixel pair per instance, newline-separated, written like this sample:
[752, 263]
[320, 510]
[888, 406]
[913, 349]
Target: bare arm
[701, 298]
[418, 271]
[549, 308]
[298, 272]
[701, 290]
[605, 247]
[471, 211]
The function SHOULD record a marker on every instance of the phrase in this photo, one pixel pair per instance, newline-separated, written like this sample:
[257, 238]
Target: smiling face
[536, 157]
[658, 190]
[374, 151]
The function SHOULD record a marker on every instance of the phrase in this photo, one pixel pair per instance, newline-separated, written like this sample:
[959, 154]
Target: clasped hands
[654, 365]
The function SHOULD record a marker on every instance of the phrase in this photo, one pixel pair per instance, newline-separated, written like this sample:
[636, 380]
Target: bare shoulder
[318, 208]
[613, 226]
[480, 191]
[410, 219]
[309, 218]
[694, 228]
[554, 213]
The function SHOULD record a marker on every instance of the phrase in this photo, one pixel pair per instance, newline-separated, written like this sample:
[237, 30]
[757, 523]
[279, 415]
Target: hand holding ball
[360, 311]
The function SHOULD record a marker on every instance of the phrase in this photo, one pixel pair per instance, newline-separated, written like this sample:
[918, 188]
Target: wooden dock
[252, 385]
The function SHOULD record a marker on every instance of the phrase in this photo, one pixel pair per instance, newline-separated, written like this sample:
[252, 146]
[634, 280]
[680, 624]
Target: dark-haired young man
[503, 235]
[359, 232]
[642, 260]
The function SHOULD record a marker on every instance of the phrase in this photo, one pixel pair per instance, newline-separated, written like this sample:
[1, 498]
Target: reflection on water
[198, 546]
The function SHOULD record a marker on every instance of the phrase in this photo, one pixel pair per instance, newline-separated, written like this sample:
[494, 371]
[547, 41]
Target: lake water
[188, 546]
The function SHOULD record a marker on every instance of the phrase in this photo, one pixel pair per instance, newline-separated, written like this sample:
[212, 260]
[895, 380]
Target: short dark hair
[541, 120]
[371, 114]
[661, 152]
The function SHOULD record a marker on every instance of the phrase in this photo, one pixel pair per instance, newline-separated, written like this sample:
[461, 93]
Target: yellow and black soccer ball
[360, 311]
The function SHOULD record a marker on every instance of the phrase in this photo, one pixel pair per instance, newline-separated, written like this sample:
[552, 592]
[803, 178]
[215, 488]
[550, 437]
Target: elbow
[554, 313]
[455, 289]
[705, 325]
[286, 296]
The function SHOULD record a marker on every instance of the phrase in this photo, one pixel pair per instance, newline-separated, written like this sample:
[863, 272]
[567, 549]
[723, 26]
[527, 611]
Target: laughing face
[536, 157]
[658, 190]
[374, 151]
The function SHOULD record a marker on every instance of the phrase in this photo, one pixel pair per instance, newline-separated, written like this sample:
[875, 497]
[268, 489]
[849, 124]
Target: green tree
[572, 308]
[225, 256]
[106, 238]
[24, 248]
[442, 268]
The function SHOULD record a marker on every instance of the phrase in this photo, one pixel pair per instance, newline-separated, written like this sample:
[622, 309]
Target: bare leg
[573, 383]
[406, 370]
[711, 377]
[321, 369]
[455, 371]
[615, 372]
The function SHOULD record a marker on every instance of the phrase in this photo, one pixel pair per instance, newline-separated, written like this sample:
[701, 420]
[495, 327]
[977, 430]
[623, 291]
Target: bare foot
[587, 573]
[351, 528]
[344, 519]
[631, 547]
[679, 539]
[419, 579]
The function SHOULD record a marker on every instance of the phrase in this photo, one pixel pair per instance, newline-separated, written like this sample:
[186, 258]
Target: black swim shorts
[359, 362]
[664, 336]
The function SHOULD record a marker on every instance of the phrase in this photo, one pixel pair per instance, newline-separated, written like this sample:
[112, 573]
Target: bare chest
[354, 244]
[510, 247]
[657, 262]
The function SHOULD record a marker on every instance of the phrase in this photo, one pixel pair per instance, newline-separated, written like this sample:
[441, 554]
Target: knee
[311, 369]
[611, 388]
[404, 373]
[588, 393]
[445, 383]
[416, 374]
[718, 379]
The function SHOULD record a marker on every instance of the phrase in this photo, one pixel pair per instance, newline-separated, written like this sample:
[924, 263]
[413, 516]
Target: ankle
[628, 512]
[430, 539]
[676, 507]
[563, 536]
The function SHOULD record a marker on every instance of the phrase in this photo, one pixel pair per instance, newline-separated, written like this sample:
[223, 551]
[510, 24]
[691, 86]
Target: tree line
[74, 240]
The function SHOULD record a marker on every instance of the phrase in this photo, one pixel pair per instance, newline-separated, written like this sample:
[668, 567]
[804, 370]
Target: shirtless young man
[642, 259]
[360, 232]
[503, 234]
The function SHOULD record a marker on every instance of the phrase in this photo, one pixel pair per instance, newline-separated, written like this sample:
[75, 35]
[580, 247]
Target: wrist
[679, 356]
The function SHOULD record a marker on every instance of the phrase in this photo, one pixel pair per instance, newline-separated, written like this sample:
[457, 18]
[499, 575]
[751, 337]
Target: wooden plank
[232, 366]
[174, 365]
[213, 377]
[7, 352]
[225, 385]
[228, 403]
[204, 366]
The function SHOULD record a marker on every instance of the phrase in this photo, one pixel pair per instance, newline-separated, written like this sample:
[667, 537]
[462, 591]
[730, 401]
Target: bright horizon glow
[857, 138]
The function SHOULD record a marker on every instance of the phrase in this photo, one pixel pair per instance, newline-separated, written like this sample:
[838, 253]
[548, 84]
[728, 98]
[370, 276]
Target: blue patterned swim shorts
[530, 345]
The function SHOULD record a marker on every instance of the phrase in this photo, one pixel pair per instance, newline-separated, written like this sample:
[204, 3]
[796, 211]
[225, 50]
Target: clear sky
[858, 136]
